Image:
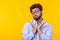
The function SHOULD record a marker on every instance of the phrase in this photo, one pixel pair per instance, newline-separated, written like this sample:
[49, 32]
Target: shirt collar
[35, 22]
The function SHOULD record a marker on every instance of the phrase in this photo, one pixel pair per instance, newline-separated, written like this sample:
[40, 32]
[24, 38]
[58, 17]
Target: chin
[36, 19]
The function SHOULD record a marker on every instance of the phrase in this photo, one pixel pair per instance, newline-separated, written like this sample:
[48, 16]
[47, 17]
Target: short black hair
[39, 6]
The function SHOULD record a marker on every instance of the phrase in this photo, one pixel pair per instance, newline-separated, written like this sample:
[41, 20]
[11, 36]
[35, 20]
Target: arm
[47, 35]
[26, 34]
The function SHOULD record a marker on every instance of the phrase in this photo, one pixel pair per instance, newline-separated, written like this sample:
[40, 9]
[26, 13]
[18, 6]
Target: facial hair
[38, 17]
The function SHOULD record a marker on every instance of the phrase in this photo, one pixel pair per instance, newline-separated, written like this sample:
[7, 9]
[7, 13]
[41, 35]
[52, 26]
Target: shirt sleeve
[48, 34]
[26, 35]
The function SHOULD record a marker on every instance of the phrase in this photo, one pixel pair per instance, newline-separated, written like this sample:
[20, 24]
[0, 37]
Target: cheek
[32, 15]
[38, 14]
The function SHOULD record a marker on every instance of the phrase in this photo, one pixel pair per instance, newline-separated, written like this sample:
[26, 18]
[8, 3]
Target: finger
[40, 25]
[32, 24]
[43, 23]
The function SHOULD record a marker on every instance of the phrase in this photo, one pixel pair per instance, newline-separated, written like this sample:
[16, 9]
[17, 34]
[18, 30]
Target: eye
[35, 11]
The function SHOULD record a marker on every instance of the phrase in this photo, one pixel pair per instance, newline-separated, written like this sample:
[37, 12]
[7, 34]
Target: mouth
[35, 17]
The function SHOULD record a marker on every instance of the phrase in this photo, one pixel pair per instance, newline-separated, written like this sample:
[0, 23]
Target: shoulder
[48, 26]
[27, 24]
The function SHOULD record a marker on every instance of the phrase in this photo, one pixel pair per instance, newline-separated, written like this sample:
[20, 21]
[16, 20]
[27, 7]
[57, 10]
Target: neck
[38, 21]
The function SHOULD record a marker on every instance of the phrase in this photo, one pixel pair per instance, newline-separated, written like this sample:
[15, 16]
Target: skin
[37, 15]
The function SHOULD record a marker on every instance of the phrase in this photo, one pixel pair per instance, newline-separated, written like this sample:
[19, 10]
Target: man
[37, 29]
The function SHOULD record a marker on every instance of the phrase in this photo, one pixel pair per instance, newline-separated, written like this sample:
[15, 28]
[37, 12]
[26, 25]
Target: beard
[38, 17]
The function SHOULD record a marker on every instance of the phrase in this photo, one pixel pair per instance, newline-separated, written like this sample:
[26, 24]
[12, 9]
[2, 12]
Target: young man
[37, 29]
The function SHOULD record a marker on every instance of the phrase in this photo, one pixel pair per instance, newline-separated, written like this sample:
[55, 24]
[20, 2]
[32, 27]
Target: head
[36, 11]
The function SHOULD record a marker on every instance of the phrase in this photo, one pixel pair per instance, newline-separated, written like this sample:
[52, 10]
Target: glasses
[37, 11]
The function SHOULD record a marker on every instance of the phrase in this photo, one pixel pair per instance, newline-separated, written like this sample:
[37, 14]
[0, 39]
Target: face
[36, 13]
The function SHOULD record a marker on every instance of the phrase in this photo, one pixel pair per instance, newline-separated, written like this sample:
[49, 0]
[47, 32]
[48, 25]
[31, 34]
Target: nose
[35, 13]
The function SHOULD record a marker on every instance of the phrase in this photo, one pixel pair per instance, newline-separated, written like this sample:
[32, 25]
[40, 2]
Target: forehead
[35, 9]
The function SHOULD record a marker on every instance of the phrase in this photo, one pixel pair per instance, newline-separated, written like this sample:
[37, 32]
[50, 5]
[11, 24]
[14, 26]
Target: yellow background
[15, 13]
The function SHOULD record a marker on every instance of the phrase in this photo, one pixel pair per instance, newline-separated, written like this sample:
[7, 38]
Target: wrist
[34, 31]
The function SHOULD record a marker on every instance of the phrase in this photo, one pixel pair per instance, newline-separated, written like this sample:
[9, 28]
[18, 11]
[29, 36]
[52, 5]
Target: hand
[39, 30]
[33, 25]
[35, 28]
[40, 25]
